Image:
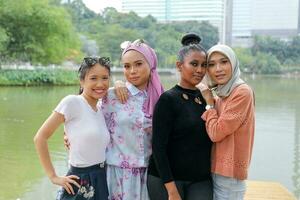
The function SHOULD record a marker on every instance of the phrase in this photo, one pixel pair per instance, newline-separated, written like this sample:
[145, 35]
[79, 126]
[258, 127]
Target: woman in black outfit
[179, 168]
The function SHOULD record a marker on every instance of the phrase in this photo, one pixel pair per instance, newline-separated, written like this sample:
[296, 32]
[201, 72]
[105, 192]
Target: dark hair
[88, 63]
[190, 42]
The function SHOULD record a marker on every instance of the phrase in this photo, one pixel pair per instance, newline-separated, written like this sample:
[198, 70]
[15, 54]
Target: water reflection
[276, 148]
[296, 169]
[22, 110]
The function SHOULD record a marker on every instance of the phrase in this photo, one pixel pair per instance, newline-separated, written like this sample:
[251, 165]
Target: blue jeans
[227, 188]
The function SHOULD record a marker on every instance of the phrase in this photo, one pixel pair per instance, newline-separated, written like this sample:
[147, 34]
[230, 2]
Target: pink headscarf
[155, 88]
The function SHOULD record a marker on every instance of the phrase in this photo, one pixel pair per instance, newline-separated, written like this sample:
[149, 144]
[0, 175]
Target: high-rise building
[180, 10]
[228, 9]
[156, 8]
[241, 22]
[299, 17]
[237, 20]
[275, 18]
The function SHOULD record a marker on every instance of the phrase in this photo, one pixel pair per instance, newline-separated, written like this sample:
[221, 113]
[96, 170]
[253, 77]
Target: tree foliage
[285, 51]
[3, 40]
[266, 64]
[208, 32]
[261, 63]
[47, 31]
[111, 28]
[293, 50]
[38, 32]
[268, 44]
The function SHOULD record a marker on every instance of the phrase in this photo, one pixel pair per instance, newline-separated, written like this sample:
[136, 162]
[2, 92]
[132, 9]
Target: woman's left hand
[121, 91]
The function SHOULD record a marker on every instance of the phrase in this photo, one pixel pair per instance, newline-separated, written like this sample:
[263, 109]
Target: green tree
[110, 28]
[208, 33]
[3, 40]
[266, 64]
[133, 21]
[261, 63]
[111, 16]
[38, 32]
[167, 44]
[267, 44]
[81, 15]
[110, 38]
[293, 50]
[247, 61]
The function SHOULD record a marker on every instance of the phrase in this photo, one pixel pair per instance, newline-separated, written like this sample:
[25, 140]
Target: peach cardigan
[231, 127]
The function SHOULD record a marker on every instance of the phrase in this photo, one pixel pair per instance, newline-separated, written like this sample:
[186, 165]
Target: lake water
[276, 154]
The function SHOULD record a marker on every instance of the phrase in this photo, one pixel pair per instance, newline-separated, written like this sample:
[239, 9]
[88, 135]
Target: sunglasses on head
[90, 61]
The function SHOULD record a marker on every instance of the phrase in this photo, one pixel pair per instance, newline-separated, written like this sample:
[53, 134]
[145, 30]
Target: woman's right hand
[66, 181]
[174, 196]
[208, 96]
[206, 93]
[173, 193]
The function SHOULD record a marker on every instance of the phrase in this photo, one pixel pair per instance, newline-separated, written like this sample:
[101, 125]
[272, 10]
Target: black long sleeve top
[181, 146]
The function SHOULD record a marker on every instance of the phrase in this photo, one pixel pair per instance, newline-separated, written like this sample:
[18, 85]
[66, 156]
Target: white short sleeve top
[85, 129]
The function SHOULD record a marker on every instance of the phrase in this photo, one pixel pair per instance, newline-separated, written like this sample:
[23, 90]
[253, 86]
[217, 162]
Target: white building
[179, 10]
[241, 22]
[156, 8]
[277, 18]
[237, 20]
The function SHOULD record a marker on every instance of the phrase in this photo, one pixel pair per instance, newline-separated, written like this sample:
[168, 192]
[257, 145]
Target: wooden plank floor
[259, 190]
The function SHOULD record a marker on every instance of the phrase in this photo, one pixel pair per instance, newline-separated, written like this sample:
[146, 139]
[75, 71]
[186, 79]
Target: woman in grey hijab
[224, 88]
[229, 123]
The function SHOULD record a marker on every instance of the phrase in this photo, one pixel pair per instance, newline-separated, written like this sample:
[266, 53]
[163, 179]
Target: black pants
[188, 190]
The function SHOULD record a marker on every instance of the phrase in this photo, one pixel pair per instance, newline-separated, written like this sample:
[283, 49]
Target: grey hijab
[225, 90]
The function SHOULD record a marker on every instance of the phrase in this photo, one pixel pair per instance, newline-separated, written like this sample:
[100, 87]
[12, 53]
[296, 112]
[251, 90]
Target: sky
[99, 5]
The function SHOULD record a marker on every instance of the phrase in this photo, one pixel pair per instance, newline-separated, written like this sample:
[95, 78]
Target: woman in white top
[85, 127]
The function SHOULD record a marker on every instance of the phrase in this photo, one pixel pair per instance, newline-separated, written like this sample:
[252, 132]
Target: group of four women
[182, 144]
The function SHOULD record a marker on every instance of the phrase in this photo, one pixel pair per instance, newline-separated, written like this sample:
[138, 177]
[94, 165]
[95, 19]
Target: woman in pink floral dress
[130, 124]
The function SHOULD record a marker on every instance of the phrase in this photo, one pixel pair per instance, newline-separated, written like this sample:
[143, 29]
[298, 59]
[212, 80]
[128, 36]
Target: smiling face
[219, 68]
[95, 83]
[192, 69]
[136, 69]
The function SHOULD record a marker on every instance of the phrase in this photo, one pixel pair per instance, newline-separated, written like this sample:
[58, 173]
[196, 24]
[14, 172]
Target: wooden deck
[259, 190]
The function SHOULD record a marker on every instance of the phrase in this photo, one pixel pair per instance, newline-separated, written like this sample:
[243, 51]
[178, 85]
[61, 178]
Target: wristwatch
[207, 107]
